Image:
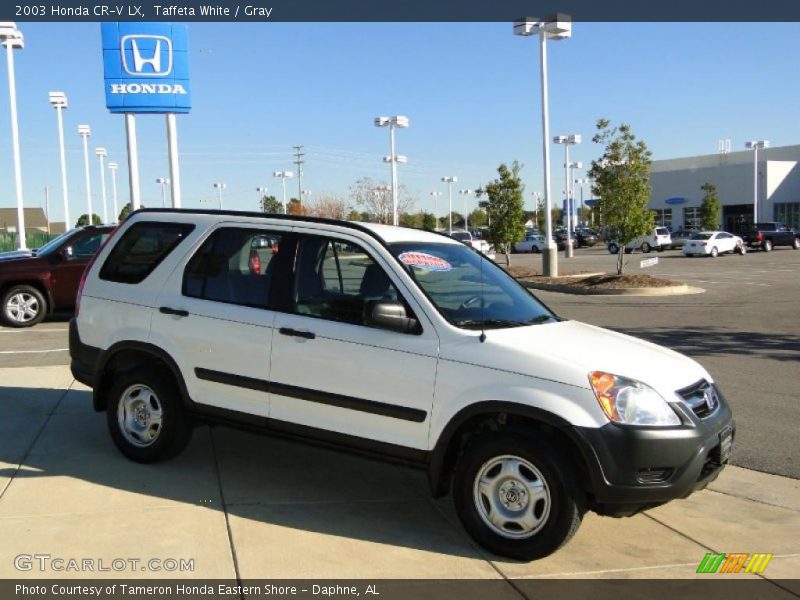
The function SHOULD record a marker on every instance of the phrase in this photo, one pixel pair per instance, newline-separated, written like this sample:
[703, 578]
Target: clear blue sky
[471, 92]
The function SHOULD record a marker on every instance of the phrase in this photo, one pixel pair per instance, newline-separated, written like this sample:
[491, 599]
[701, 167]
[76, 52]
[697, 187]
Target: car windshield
[701, 236]
[662, 231]
[51, 246]
[470, 291]
[461, 236]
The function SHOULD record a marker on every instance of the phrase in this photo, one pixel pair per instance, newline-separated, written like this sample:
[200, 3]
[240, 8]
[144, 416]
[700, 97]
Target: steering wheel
[469, 302]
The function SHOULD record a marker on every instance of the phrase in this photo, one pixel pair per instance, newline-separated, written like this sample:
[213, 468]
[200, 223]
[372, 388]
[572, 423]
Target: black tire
[646, 248]
[714, 252]
[628, 250]
[613, 248]
[796, 243]
[565, 509]
[741, 249]
[767, 246]
[23, 306]
[661, 248]
[174, 430]
[534, 249]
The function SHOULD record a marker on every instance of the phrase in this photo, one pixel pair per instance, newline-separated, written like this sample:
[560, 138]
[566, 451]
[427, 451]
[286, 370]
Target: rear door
[213, 317]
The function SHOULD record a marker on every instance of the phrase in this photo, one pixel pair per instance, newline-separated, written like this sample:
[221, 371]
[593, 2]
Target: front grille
[701, 397]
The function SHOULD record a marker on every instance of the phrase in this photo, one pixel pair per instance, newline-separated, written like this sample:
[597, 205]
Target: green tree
[428, 221]
[271, 205]
[710, 207]
[354, 215]
[410, 220]
[84, 220]
[621, 180]
[540, 214]
[477, 218]
[505, 209]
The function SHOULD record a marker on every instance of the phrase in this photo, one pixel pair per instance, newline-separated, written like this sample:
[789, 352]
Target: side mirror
[389, 315]
[68, 252]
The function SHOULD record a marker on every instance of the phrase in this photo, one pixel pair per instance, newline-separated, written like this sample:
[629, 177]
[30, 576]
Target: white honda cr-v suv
[401, 343]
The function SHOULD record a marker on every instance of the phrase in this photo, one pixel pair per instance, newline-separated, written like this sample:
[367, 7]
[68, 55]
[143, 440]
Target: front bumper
[640, 467]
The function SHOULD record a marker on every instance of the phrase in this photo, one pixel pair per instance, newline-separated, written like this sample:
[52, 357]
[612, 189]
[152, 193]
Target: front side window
[234, 266]
[87, 246]
[141, 249]
[468, 290]
[339, 281]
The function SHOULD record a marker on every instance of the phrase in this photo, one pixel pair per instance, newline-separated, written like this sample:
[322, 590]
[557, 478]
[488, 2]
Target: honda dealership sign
[146, 67]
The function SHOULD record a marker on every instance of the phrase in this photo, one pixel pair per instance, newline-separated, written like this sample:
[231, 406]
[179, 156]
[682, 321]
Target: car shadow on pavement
[711, 341]
[68, 464]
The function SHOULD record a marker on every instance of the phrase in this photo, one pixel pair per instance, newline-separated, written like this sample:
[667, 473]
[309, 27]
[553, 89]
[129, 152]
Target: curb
[673, 290]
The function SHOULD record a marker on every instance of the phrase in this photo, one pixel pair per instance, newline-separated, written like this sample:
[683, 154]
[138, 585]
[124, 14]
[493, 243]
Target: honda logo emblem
[146, 55]
[710, 397]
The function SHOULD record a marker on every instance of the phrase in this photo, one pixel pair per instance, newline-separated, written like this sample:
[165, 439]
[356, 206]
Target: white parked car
[658, 239]
[713, 243]
[533, 242]
[396, 342]
[479, 244]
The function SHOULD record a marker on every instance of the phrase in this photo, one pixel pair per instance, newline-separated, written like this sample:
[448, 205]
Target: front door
[69, 263]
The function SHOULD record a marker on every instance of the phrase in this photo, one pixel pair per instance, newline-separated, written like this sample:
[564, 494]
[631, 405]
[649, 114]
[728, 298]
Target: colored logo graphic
[426, 262]
[146, 67]
[741, 562]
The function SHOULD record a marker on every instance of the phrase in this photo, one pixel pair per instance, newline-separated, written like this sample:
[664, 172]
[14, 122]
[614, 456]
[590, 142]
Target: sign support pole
[174, 167]
[133, 160]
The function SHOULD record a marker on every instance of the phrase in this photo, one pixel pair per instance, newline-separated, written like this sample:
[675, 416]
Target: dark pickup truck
[768, 235]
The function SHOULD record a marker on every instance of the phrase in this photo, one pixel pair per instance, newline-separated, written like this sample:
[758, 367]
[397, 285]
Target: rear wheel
[714, 252]
[515, 497]
[23, 306]
[741, 249]
[613, 248]
[767, 245]
[145, 415]
[796, 243]
[534, 249]
[646, 247]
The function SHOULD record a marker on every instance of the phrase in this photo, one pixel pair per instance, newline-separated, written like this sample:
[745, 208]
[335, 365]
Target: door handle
[309, 335]
[173, 311]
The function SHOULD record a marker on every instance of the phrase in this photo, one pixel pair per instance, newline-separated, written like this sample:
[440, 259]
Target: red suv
[39, 282]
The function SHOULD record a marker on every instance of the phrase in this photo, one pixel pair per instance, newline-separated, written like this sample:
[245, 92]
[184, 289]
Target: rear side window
[662, 231]
[141, 249]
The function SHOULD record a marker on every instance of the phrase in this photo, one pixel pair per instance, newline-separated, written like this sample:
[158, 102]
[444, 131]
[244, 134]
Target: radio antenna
[483, 305]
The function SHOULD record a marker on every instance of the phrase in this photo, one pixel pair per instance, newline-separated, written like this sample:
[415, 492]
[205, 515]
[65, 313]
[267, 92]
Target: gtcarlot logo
[60, 564]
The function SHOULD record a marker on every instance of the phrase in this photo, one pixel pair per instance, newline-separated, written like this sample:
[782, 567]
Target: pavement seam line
[225, 512]
[754, 499]
[35, 439]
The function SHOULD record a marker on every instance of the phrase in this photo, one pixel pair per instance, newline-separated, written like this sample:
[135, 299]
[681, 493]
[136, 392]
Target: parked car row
[535, 242]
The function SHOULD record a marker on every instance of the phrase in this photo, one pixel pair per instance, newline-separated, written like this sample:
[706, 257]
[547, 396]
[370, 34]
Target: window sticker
[426, 262]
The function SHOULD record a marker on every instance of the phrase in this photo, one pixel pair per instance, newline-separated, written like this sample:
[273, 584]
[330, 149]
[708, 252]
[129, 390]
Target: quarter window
[234, 266]
[141, 249]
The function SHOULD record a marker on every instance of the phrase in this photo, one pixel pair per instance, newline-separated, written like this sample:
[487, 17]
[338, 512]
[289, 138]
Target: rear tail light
[255, 264]
[89, 268]
[703, 243]
[759, 236]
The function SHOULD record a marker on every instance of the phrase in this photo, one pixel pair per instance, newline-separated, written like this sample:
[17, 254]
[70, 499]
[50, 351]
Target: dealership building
[676, 183]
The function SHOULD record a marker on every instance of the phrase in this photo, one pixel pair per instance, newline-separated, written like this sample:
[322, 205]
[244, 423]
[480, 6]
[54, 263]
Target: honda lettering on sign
[146, 67]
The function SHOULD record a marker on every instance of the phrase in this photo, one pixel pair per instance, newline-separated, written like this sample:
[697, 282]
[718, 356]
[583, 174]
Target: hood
[13, 254]
[567, 351]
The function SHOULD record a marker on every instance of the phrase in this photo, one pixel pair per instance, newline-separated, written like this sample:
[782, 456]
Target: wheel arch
[128, 355]
[498, 415]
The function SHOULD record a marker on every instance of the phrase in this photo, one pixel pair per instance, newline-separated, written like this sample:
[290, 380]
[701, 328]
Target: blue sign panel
[146, 67]
[675, 200]
[592, 202]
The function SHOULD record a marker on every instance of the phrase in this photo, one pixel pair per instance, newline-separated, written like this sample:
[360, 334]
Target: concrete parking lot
[248, 506]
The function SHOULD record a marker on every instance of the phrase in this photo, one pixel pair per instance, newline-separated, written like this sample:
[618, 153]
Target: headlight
[631, 402]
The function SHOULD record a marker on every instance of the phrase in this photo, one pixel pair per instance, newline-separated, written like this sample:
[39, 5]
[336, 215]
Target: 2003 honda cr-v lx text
[400, 343]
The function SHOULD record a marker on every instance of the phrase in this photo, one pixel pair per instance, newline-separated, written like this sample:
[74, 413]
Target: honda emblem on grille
[710, 396]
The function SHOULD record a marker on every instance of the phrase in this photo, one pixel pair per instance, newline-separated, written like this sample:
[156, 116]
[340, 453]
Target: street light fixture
[85, 132]
[101, 154]
[164, 182]
[220, 186]
[465, 193]
[573, 166]
[393, 123]
[557, 27]
[582, 181]
[435, 195]
[283, 175]
[567, 141]
[12, 38]
[450, 181]
[59, 102]
[112, 166]
[755, 145]
[537, 197]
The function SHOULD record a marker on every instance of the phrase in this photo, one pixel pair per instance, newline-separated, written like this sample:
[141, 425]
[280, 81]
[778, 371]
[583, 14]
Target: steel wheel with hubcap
[515, 496]
[145, 414]
[714, 252]
[23, 306]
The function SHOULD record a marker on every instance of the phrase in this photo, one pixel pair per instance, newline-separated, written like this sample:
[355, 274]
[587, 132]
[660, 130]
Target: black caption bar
[401, 11]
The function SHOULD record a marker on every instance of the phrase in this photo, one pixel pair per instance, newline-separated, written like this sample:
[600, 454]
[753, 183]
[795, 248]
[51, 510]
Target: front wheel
[767, 245]
[741, 249]
[145, 415]
[23, 306]
[613, 248]
[796, 243]
[534, 249]
[515, 497]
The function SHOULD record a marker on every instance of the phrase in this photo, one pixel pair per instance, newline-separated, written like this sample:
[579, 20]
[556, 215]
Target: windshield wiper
[540, 319]
[488, 323]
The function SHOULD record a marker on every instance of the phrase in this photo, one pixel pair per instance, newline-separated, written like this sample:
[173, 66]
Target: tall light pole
[573, 166]
[557, 27]
[567, 141]
[85, 132]
[11, 37]
[450, 181]
[755, 145]
[112, 166]
[393, 123]
[465, 193]
[435, 195]
[164, 182]
[304, 195]
[101, 154]
[582, 181]
[262, 191]
[59, 102]
[220, 186]
[537, 196]
[283, 175]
